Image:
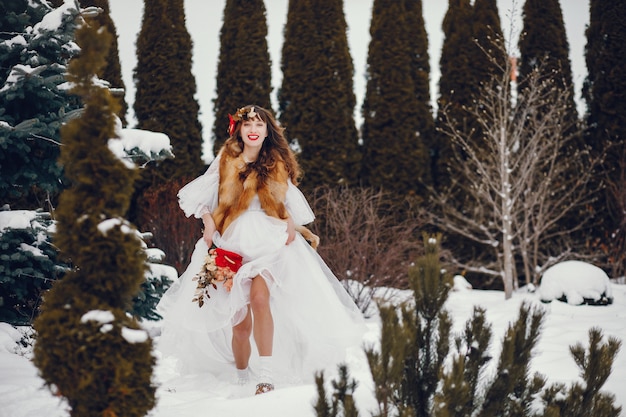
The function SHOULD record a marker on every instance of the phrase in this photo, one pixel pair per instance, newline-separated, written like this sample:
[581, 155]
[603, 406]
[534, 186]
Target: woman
[284, 296]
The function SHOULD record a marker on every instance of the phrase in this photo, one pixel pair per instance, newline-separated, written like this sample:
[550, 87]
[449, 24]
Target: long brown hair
[275, 147]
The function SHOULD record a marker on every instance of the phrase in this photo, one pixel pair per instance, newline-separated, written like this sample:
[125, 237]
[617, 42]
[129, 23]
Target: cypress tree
[420, 71]
[244, 70]
[316, 99]
[88, 349]
[112, 70]
[165, 102]
[394, 153]
[544, 39]
[604, 90]
[455, 92]
[165, 97]
[489, 57]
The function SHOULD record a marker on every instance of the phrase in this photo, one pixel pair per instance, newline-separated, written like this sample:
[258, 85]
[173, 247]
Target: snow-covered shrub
[159, 277]
[576, 283]
[28, 263]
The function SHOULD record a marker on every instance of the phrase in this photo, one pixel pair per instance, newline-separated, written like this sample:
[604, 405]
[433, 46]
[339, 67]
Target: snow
[134, 335]
[52, 21]
[16, 219]
[99, 316]
[22, 393]
[106, 225]
[147, 142]
[35, 251]
[18, 72]
[576, 281]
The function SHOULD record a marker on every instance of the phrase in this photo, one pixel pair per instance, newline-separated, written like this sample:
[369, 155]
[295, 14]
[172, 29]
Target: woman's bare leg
[263, 327]
[241, 342]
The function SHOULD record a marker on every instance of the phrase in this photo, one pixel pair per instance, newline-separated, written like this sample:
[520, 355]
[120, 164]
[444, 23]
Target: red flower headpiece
[231, 125]
[241, 114]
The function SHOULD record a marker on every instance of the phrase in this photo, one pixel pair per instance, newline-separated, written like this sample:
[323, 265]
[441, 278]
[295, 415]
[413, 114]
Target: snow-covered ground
[22, 393]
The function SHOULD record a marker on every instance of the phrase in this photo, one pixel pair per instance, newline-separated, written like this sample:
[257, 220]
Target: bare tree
[363, 241]
[515, 186]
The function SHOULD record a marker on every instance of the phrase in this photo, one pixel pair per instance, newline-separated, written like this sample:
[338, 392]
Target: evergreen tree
[473, 55]
[544, 39]
[604, 90]
[112, 71]
[88, 349]
[455, 91]
[410, 378]
[316, 99]
[165, 102]
[244, 70]
[36, 43]
[394, 153]
[471, 58]
[489, 58]
[342, 403]
[165, 98]
[420, 72]
[406, 369]
[586, 399]
[28, 265]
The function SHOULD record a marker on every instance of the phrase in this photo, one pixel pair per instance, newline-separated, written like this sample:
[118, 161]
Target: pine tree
[604, 88]
[112, 71]
[88, 349]
[586, 399]
[342, 403]
[410, 378]
[33, 100]
[460, 384]
[244, 70]
[316, 99]
[165, 98]
[413, 344]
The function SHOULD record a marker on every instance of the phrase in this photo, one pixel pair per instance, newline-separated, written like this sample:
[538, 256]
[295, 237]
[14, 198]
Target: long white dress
[314, 318]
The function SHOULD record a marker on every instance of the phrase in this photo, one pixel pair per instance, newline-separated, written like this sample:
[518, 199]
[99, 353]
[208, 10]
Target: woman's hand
[209, 229]
[291, 230]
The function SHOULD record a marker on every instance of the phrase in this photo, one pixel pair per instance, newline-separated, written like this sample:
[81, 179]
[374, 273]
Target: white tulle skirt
[315, 320]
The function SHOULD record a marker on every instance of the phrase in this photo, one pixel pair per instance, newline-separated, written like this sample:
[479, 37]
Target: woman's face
[253, 132]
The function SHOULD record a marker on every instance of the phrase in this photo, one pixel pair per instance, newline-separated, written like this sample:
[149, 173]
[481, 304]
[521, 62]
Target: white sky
[204, 22]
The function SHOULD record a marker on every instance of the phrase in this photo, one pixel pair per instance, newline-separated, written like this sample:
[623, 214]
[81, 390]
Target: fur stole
[238, 185]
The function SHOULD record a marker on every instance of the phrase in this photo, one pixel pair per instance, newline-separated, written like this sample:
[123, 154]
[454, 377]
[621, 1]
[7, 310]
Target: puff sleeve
[200, 195]
[297, 206]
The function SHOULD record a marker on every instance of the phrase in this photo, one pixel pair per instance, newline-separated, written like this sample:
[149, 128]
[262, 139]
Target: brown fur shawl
[238, 185]
[240, 182]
